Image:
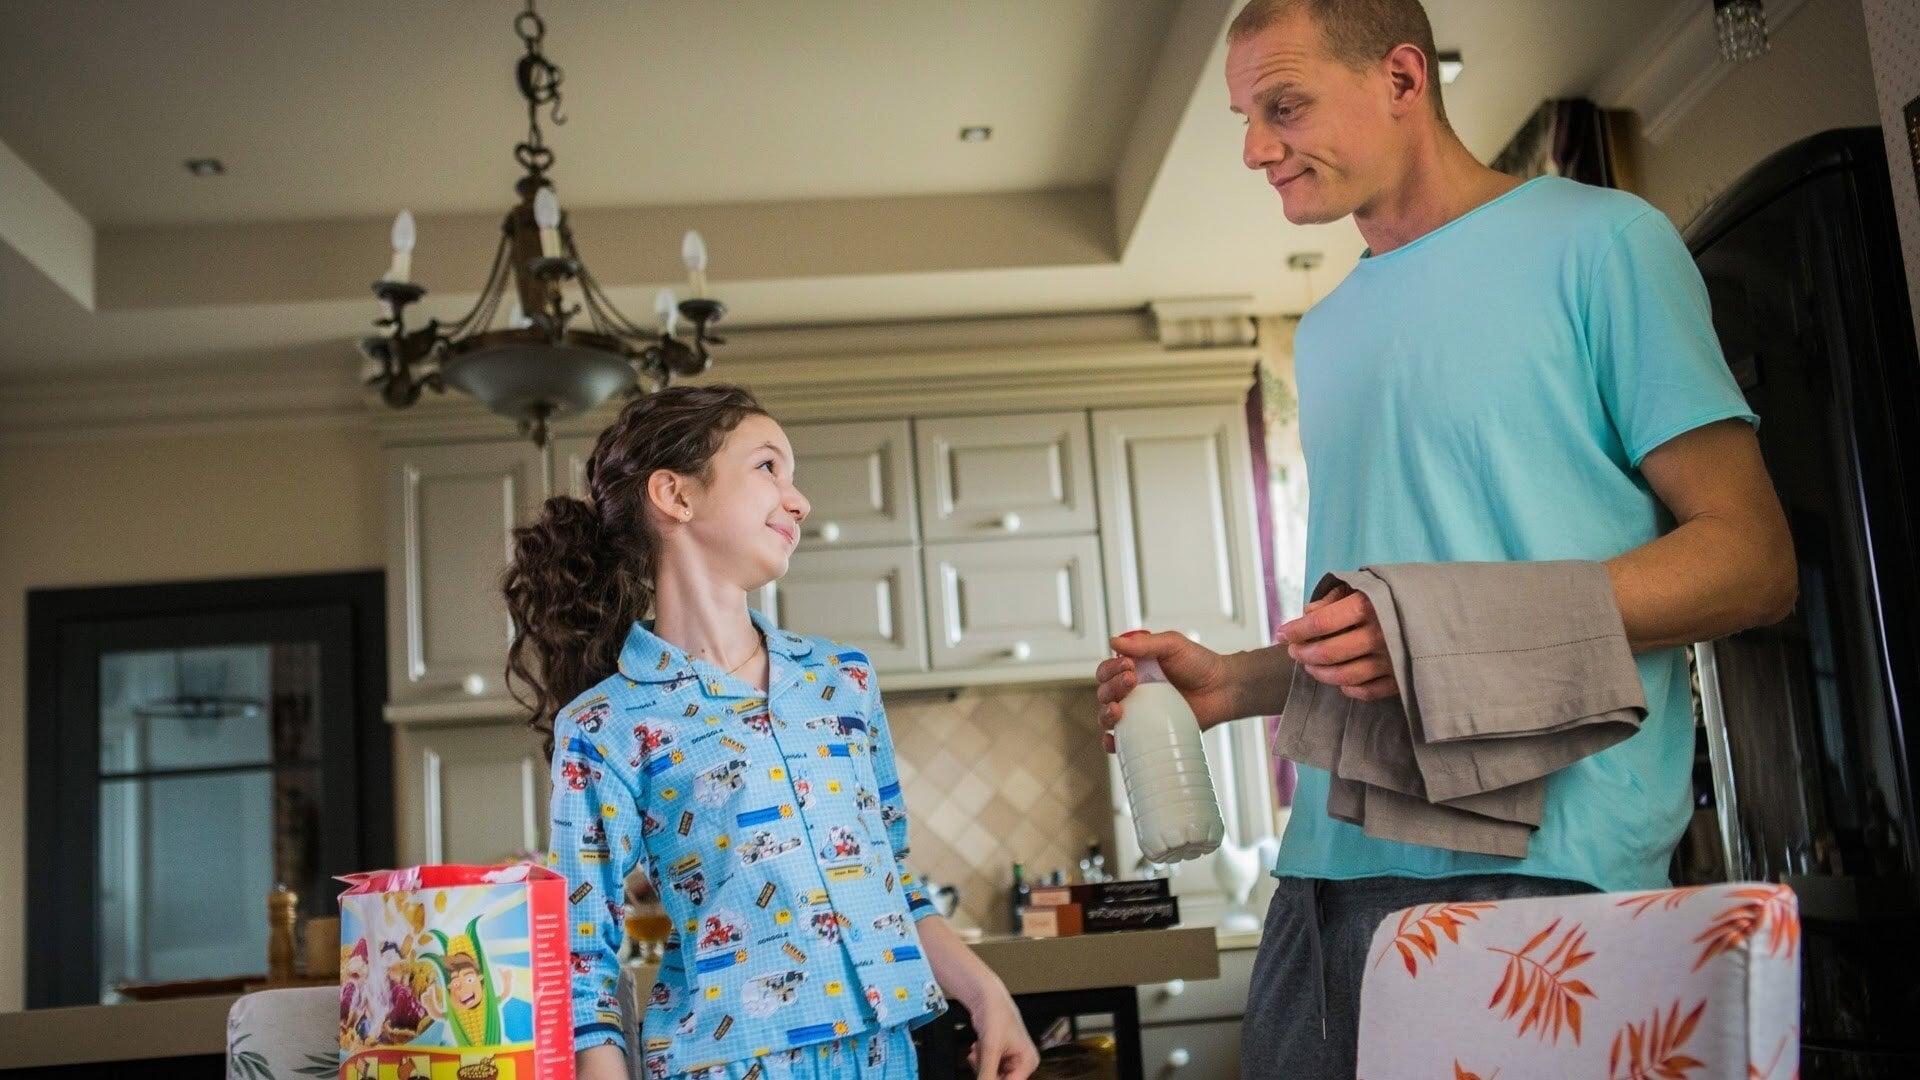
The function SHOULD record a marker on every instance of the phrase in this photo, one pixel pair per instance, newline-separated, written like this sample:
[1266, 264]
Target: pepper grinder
[281, 904]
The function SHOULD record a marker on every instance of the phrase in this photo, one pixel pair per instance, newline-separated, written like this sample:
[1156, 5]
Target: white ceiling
[349, 110]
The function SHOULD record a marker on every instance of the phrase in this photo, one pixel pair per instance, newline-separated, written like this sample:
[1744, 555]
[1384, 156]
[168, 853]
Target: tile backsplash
[997, 776]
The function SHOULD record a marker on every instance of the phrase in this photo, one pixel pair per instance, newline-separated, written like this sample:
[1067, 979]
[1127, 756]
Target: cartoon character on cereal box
[473, 1002]
[356, 1006]
[407, 1016]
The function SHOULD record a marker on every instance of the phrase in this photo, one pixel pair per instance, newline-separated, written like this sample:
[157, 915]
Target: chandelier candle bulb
[401, 268]
[546, 214]
[693, 252]
[668, 309]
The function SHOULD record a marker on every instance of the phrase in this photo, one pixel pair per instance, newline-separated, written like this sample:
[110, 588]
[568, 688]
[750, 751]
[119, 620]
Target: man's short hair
[1358, 32]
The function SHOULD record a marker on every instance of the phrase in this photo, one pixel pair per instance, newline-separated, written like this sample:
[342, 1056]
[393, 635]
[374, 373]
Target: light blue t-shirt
[1486, 393]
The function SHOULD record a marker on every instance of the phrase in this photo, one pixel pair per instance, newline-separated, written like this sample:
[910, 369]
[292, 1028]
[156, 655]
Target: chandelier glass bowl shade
[562, 347]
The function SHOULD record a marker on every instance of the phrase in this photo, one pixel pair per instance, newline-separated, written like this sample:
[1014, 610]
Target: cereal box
[455, 973]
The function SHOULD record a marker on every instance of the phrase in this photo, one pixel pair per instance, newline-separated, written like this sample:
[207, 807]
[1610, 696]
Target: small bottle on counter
[1021, 894]
[282, 907]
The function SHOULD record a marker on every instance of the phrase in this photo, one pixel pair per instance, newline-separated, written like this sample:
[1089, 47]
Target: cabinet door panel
[469, 793]
[1014, 475]
[1177, 524]
[451, 512]
[869, 598]
[1015, 602]
[859, 478]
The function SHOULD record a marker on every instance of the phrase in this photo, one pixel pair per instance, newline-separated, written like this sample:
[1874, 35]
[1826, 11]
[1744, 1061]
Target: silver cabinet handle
[1179, 1058]
[475, 684]
[1021, 651]
[829, 532]
[1010, 522]
[1175, 988]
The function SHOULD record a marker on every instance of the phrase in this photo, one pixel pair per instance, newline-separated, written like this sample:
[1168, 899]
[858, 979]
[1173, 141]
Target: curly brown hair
[584, 572]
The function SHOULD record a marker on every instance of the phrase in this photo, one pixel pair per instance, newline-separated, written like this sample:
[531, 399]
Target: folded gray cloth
[1508, 672]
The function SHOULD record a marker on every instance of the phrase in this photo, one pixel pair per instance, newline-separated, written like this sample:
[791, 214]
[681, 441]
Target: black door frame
[345, 611]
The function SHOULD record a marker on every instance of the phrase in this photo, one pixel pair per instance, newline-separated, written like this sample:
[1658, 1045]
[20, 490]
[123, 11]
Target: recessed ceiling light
[1450, 65]
[206, 166]
[978, 133]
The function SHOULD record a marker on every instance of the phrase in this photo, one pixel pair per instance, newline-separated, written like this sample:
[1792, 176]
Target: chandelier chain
[539, 80]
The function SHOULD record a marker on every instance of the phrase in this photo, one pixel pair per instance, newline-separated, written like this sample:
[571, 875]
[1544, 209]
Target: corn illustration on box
[455, 973]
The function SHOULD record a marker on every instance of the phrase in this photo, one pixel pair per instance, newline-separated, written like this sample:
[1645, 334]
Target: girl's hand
[1003, 1048]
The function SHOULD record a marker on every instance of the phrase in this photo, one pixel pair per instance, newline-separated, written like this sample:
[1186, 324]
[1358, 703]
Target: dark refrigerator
[1806, 774]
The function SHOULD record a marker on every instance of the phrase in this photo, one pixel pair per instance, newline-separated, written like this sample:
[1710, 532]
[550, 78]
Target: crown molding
[935, 367]
[1206, 322]
[1675, 66]
[197, 400]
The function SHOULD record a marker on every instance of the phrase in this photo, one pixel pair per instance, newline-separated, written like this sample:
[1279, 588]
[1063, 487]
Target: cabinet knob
[830, 531]
[1175, 988]
[1179, 1058]
[1021, 651]
[474, 684]
[1010, 522]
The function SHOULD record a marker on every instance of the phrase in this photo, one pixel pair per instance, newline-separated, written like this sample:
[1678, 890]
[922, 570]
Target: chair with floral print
[1682, 984]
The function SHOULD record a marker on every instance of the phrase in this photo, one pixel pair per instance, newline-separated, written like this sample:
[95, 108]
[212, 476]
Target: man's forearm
[1704, 580]
[1260, 680]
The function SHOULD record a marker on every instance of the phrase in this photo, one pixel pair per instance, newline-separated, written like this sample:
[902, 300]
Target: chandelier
[543, 360]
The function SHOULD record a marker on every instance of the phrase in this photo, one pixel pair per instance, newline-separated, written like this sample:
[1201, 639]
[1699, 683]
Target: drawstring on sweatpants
[1314, 945]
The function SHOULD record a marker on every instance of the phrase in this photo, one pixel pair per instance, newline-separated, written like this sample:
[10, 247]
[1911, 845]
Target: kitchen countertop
[194, 1026]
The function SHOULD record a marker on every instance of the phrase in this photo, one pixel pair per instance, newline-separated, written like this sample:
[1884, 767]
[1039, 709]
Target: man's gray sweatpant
[1303, 1003]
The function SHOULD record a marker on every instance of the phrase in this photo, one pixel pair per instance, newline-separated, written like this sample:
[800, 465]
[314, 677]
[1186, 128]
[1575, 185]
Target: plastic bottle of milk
[1175, 814]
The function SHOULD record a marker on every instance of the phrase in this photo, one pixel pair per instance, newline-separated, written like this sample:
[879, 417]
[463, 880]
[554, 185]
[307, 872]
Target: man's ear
[1407, 78]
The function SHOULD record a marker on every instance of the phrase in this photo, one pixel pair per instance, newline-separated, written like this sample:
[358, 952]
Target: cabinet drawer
[859, 478]
[869, 598]
[1015, 602]
[1015, 475]
[1200, 999]
[1209, 1051]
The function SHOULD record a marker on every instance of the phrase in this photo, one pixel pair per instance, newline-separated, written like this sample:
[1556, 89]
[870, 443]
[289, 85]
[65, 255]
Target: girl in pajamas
[748, 770]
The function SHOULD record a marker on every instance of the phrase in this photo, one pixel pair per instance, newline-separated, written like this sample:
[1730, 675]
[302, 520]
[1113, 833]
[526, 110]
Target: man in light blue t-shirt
[1514, 371]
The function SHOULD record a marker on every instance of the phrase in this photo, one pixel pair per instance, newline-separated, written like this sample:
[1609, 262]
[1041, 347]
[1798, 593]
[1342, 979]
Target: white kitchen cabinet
[451, 510]
[469, 793]
[1177, 525]
[570, 456]
[869, 598]
[992, 477]
[859, 478]
[1207, 1051]
[1014, 603]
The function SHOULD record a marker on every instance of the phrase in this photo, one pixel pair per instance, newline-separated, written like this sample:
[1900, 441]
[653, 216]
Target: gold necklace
[750, 656]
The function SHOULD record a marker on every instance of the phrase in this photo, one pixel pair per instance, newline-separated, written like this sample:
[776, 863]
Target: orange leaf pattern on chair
[1653, 1050]
[1765, 908]
[1540, 985]
[1755, 1072]
[1668, 899]
[1462, 1074]
[1416, 930]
